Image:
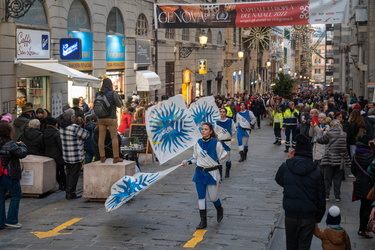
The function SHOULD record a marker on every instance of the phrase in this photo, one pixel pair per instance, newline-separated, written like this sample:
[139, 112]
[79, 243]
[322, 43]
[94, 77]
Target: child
[334, 236]
[277, 124]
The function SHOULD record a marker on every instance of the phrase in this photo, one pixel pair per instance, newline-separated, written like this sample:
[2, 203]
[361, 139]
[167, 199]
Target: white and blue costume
[225, 129]
[245, 119]
[207, 156]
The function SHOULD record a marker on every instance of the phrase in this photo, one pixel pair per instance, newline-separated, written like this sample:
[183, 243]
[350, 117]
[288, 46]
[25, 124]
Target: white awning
[147, 80]
[55, 69]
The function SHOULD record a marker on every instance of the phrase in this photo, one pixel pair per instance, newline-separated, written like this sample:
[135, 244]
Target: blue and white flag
[129, 186]
[170, 128]
[205, 110]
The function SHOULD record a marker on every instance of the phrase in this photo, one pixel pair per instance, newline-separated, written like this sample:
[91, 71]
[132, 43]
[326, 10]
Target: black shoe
[365, 234]
[220, 213]
[278, 142]
[73, 196]
[286, 150]
[275, 142]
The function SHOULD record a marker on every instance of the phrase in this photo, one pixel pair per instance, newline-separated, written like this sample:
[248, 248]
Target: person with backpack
[108, 99]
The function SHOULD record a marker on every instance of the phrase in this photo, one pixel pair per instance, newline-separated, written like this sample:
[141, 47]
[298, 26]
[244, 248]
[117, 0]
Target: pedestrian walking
[334, 236]
[72, 139]
[225, 129]
[109, 122]
[290, 125]
[363, 158]
[245, 120]
[335, 158]
[303, 199]
[10, 153]
[208, 152]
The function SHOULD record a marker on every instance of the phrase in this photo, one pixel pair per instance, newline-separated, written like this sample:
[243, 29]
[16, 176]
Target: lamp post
[184, 51]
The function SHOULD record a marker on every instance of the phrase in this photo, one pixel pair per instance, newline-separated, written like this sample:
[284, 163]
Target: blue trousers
[290, 129]
[15, 192]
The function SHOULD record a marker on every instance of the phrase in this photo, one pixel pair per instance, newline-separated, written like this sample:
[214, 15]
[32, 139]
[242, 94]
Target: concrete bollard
[98, 177]
[39, 175]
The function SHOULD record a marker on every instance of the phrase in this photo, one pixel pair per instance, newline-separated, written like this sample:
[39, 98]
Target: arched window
[197, 34]
[78, 18]
[209, 36]
[35, 16]
[115, 23]
[219, 38]
[185, 34]
[142, 27]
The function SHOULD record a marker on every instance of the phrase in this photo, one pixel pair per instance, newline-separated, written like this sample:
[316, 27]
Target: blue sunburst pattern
[171, 128]
[205, 110]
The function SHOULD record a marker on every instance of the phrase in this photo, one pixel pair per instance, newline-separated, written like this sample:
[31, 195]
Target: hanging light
[280, 69]
[203, 39]
[240, 54]
[268, 64]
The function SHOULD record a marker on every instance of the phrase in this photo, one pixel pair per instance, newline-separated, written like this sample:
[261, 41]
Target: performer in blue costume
[225, 128]
[208, 152]
[245, 120]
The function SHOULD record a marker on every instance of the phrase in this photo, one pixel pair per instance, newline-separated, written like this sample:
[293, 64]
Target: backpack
[102, 107]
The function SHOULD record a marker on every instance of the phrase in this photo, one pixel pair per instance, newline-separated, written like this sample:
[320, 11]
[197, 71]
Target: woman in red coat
[126, 120]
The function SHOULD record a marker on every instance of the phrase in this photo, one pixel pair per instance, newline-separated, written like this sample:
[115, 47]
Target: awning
[55, 69]
[147, 80]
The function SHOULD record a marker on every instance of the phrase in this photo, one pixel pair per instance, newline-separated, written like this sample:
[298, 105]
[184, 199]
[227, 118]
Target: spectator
[20, 124]
[303, 200]
[33, 138]
[6, 117]
[72, 137]
[83, 105]
[357, 127]
[10, 153]
[109, 122]
[126, 120]
[90, 143]
[53, 149]
[41, 115]
[76, 108]
[335, 158]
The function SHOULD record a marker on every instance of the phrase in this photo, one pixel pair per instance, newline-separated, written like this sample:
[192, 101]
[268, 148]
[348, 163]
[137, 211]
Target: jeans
[89, 156]
[333, 174]
[15, 192]
[299, 233]
[111, 124]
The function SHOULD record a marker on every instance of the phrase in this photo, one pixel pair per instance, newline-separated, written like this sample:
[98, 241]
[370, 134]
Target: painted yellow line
[198, 237]
[55, 231]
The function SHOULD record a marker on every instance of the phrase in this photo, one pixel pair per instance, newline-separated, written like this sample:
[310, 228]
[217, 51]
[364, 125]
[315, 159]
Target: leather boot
[286, 149]
[227, 169]
[203, 223]
[220, 167]
[241, 157]
[220, 213]
[245, 154]
[117, 159]
[102, 159]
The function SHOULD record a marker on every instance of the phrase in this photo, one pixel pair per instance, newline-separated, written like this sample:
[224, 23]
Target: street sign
[70, 49]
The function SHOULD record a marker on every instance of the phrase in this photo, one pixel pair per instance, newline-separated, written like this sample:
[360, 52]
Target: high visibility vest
[229, 111]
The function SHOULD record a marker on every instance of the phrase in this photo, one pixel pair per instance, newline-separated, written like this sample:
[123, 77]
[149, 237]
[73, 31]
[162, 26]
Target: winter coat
[114, 101]
[52, 142]
[125, 122]
[318, 148]
[20, 124]
[89, 142]
[304, 195]
[336, 153]
[256, 107]
[370, 125]
[11, 151]
[352, 133]
[333, 239]
[33, 138]
[363, 156]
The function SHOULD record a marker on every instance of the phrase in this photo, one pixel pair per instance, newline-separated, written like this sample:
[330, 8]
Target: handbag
[14, 169]
[371, 226]
[354, 196]
[371, 194]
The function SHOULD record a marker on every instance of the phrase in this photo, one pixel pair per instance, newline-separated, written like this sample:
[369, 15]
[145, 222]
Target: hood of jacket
[64, 123]
[336, 237]
[371, 119]
[301, 165]
[32, 134]
[49, 132]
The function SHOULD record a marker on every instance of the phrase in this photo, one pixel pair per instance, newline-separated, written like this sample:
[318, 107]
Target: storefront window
[76, 92]
[34, 90]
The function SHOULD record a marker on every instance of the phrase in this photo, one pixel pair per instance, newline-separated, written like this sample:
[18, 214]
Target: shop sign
[85, 63]
[115, 52]
[143, 52]
[70, 49]
[33, 44]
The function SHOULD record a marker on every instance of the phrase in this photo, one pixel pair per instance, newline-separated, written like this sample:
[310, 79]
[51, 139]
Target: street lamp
[268, 64]
[229, 62]
[240, 54]
[184, 51]
[203, 39]
[280, 69]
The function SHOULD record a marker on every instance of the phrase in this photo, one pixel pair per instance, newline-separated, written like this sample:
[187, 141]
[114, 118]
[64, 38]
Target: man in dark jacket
[257, 108]
[304, 196]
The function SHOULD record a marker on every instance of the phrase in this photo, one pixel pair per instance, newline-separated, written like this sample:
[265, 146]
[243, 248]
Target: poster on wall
[115, 52]
[253, 14]
[85, 63]
[56, 104]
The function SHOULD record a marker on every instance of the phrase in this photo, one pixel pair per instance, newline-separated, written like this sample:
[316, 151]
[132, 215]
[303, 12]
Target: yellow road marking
[198, 237]
[55, 231]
